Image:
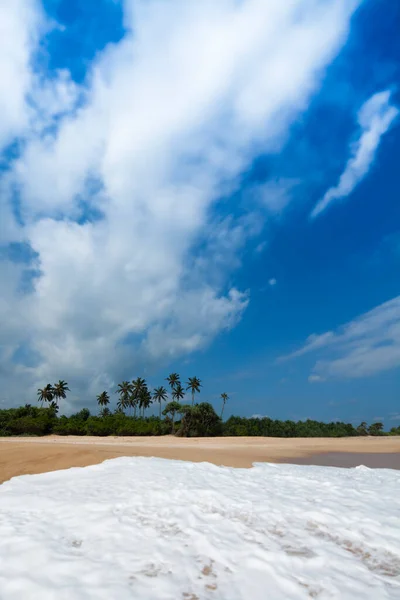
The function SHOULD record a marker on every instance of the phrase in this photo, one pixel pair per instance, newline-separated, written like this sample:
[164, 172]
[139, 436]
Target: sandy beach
[38, 455]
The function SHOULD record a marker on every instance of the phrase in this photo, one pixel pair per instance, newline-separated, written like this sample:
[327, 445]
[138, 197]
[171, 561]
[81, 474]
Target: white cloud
[366, 346]
[315, 378]
[272, 281]
[165, 124]
[374, 118]
[275, 195]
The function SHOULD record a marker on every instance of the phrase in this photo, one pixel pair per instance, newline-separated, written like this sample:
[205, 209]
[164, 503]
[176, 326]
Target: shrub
[99, 426]
[69, 426]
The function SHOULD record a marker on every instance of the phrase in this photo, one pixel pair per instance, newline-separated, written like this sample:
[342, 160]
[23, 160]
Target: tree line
[191, 419]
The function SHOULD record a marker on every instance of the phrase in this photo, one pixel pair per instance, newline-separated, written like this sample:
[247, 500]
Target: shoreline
[22, 456]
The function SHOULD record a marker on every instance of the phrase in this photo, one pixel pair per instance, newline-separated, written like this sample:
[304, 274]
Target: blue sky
[207, 188]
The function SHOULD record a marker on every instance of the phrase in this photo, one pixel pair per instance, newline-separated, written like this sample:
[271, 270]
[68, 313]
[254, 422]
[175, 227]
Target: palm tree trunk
[160, 410]
[222, 411]
[192, 397]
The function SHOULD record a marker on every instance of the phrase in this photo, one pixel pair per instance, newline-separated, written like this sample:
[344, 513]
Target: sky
[204, 187]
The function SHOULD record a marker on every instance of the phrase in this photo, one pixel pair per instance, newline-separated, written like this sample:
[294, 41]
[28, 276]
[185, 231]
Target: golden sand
[20, 456]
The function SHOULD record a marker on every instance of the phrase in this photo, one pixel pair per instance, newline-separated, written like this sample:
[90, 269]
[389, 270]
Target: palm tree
[59, 390]
[137, 385]
[194, 384]
[124, 391]
[103, 399]
[144, 399]
[173, 380]
[178, 392]
[224, 397]
[122, 404]
[46, 394]
[160, 395]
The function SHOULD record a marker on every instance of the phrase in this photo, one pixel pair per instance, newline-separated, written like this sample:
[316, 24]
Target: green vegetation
[186, 420]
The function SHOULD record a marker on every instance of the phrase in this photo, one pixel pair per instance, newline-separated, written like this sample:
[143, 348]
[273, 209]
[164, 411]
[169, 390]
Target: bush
[199, 421]
[69, 426]
[99, 426]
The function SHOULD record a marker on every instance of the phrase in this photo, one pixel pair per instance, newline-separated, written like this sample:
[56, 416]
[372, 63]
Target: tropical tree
[178, 393]
[105, 412]
[103, 399]
[138, 385]
[59, 390]
[160, 395]
[193, 384]
[362, 429]
[122, 404]
[46, 394]
[144, 399]
[375, 429]
[124, 391]
[224, 397]
[171, 409]
[173, 380]
[199, 420]
[53, 406]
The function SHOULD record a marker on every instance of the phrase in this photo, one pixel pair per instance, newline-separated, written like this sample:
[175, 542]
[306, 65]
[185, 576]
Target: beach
[23, 456]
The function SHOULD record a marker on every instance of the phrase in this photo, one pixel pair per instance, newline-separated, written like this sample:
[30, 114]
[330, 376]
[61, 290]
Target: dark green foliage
[200, 420]
[171, 410]
[101, 426]
[376, 429]
[27, 420]
[362, 429]
[195, 421]
[239, 426]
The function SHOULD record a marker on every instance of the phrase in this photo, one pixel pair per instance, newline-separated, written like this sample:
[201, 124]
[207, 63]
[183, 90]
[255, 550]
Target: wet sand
[383, 460]
[20, 456]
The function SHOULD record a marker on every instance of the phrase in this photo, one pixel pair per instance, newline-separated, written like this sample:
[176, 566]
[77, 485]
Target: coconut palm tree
[178, 392]
[193, 384]
[103, 399]
[124, 391]
[46, 394]
[144, 399]
[137, 385]
[122, 404]
[173, 380]
[224, 397]
[59, 390]
[160, 395]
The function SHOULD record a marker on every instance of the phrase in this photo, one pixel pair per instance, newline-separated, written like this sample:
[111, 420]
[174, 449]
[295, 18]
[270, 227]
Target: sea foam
[150, 529]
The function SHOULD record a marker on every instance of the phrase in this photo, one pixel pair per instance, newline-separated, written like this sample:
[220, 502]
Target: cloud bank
[115, 182]
[375, 119]
[366, 346]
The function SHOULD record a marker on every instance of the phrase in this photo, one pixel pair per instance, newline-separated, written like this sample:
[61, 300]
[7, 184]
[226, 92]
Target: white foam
[156, 529]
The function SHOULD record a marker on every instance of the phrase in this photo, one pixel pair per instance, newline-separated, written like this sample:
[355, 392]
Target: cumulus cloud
[118, 178]
[366, 346]
[374, 119]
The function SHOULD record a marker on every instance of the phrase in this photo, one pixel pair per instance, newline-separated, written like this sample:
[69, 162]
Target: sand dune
[37, 455]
